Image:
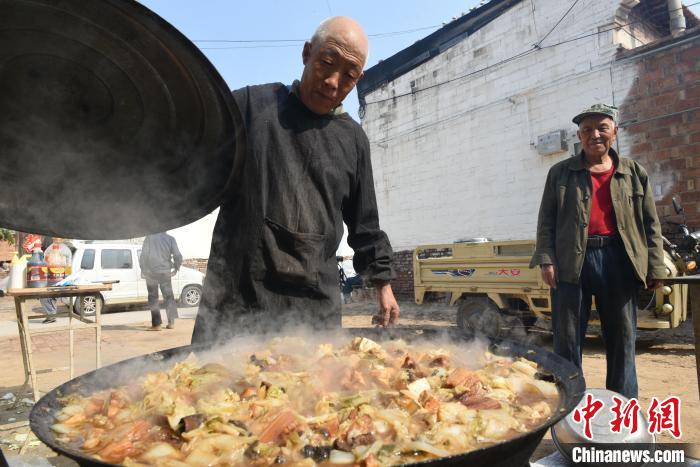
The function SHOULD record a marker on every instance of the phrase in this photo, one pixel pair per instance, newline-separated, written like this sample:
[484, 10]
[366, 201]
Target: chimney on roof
[677, 20]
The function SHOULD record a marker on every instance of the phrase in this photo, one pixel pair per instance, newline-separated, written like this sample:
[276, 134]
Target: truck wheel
[528, 321]
[648, 337]
[480, 316]
[88, 305]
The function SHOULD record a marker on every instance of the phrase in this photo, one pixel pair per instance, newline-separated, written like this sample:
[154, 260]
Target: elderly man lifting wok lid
[283, 162]
[598, 235]
[307, 169]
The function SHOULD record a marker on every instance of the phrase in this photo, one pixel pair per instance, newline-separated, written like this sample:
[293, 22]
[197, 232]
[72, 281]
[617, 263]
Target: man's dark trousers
[608, 275]
[166, 288]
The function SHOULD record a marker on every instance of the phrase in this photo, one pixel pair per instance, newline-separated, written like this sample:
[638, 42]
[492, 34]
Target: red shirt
[603, 221]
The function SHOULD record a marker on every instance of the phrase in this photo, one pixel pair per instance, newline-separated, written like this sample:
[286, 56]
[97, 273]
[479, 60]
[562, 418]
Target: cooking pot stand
[112, 124]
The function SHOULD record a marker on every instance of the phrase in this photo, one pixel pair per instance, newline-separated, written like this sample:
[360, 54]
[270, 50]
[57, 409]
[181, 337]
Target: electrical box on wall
[552, 143]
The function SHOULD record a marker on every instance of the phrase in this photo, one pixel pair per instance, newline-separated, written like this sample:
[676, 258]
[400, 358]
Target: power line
[273, 42]
[264, 41]
[557, 24]
[278, 43]
[467, 111]
[506, 60]
[249, 47]
[629, 31]
[464, 112]
[584, 36]
[424, 126]
[406, 31]
[456, 78]
[236, 41]
[522, 54]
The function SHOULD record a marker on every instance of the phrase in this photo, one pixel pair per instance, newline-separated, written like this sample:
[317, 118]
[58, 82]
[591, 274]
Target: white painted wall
[194, 240]
[460, 160]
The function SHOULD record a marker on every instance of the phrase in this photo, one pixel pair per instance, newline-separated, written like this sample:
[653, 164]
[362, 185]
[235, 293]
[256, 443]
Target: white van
[120, 262]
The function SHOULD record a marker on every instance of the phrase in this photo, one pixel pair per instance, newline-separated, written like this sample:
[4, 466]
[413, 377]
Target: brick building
[661, 119]
[7, 251]
[465, 124]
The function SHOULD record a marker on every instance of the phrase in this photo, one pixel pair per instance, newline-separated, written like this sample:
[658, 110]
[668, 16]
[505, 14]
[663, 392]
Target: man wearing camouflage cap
[598, 235]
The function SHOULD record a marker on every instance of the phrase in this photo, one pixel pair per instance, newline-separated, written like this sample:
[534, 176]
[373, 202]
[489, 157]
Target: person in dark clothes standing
[598, 235]
[307, 170]
[160, 260]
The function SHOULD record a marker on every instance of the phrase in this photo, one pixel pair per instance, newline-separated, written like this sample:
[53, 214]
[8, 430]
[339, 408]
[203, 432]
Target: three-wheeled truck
[494, 287]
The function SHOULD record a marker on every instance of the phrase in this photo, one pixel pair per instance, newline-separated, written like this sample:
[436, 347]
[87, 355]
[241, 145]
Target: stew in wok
[353, 402]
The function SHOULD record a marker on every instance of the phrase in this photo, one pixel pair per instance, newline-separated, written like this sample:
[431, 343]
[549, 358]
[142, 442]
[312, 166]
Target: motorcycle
[347, 284]
[686, 253]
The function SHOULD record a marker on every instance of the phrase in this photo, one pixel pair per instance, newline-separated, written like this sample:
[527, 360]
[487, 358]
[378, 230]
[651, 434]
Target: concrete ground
[666, 365]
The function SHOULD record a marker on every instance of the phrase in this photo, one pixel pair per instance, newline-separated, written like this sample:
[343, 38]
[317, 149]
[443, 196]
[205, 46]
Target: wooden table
[25, 339]
[694, 298]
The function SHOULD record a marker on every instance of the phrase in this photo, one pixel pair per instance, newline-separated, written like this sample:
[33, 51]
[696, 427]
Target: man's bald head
[333, 62]
[344, 30]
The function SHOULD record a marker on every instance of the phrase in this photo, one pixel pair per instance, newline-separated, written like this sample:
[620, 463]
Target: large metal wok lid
[112, 123]
[512, 453]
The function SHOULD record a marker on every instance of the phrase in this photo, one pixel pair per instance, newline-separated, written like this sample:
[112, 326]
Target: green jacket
[565, 211]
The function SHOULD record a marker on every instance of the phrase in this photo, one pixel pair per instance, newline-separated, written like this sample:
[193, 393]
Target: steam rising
[297, 341]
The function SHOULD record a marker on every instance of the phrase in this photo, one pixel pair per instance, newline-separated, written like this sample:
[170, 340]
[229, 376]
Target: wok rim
[571, 385]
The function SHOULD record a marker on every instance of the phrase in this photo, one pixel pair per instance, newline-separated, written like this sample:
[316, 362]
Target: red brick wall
[403, 284]
[661, 116]
[200, 264]
[7, 251]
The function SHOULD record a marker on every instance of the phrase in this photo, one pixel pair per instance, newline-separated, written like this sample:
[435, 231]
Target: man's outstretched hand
[388, 308]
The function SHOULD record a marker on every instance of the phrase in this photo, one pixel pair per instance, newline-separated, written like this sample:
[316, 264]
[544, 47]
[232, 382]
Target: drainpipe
[677, 20]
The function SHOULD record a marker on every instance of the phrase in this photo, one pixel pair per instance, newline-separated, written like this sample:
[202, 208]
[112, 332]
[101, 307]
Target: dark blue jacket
[159, 255]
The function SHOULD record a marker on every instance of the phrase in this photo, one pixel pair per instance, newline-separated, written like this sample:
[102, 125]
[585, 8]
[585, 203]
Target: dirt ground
[665, 366]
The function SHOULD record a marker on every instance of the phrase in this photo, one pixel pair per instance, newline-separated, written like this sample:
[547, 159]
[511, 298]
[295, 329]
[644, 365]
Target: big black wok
[511, 453]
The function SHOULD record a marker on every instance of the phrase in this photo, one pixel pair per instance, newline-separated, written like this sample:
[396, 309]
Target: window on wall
[116, 259]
